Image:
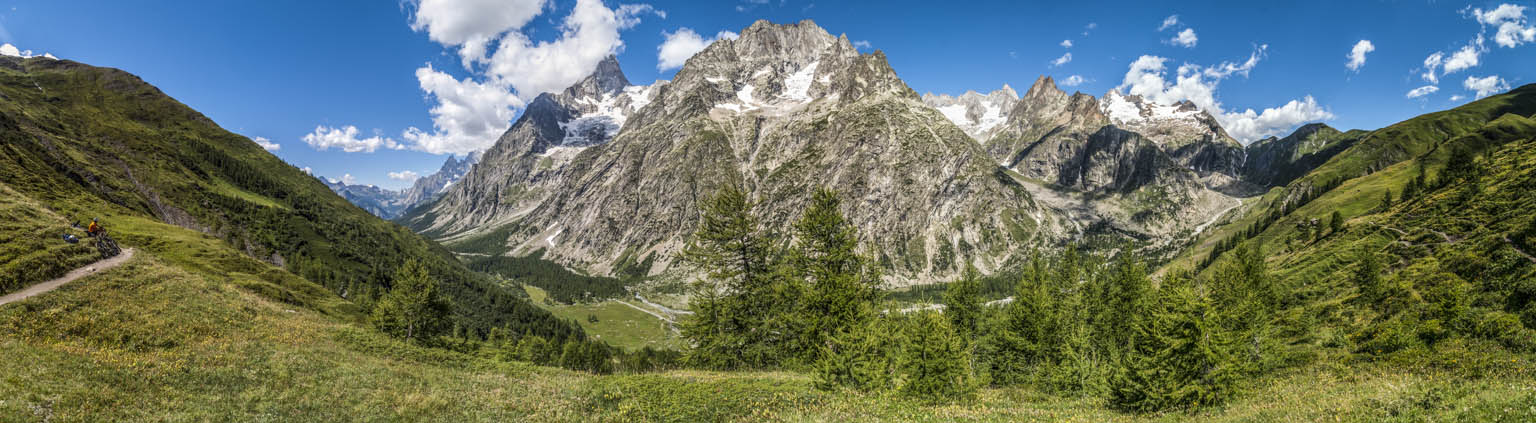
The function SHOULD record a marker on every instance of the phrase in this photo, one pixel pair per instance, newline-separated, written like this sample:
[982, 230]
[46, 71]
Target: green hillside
[95, 142]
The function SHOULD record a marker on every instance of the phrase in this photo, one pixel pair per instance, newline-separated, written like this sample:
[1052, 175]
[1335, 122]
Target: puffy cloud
[1431, 64]
[10, 50]
[1073, 81]
[1357, 54]
[1422, 91]
[683, 44]
[1148, 78]
[469, 116]
[507, 67]
[1486, 86]
[1169, 22]
[1066, 43]
[1465, 58]
[1186, 38]
[588, 35]
[404, 175]
[346, 178]
[860, 44]
[471, 25]
[347, 139]
[266, 144]
[1275, 121]
[1458, 97]
[1513, 29]
[1062, 60]
[308, 171]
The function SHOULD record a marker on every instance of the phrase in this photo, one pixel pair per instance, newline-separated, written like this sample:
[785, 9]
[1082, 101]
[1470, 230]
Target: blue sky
[300, 73]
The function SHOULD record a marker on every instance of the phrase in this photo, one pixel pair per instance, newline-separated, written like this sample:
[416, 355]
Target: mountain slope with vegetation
[90, 142]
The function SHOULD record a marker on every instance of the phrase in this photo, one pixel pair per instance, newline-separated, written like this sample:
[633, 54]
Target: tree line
[1077, 324]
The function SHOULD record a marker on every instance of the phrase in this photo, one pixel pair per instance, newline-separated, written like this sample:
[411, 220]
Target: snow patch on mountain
[607, 116]
[975, 113]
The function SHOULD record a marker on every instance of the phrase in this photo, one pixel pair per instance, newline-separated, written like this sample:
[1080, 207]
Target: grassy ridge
[32, 248]
[87, 141]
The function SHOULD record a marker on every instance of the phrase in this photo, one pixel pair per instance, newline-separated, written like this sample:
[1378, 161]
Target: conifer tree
[413, 309]
[936, 363]
[1335, 223]
[1029, 330]
[841, 284]
[1119, 301]
[732, 304]
[962, 304]
[1177, 359]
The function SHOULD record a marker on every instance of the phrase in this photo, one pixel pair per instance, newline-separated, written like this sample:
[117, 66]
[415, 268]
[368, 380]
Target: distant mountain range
[389, 204]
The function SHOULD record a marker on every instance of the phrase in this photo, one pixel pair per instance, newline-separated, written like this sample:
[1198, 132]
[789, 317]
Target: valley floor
[152, 340]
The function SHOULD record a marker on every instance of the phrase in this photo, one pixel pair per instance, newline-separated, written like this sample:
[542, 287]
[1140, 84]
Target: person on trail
[93, 229]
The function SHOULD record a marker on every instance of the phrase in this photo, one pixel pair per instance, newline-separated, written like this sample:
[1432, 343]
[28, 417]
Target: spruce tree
[936, 363]
[413, 309]
[1336, 223]
[732, 305]
[842, 284]
[1246, 298]
[1119, 301]
[1029, 331]
[962, 304]
[1177, 360]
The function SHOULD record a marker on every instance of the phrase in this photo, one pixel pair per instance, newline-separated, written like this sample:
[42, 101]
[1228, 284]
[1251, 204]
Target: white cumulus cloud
[1066, 43]
[683, 44]
[1431, 64]
[1169, 22]
[471, 25]
[404, 175]
[1073, 81]
[266, 144]
[10, 50]
[1357, 54]
[1062, 60]
[469, 116]
[1513, 28]
[860, 44]
[1422, 91]
[507, 67]
[1148, 78]
[1465, 58]
[1186, 38]
[347, 138]
[1486, 86]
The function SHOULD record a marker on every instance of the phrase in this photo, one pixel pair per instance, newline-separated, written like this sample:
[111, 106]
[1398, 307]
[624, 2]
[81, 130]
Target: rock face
[1190, 135]
[781, 110]
[607, 175]
[979, 115]
[1278, 161]
[1090, 162]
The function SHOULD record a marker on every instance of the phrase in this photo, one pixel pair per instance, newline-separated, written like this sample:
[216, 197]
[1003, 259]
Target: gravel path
[87, 270]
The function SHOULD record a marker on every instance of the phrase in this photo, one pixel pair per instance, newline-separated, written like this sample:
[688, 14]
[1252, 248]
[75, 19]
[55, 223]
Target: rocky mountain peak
[801, 42]
[1044, 88]
[608, 78]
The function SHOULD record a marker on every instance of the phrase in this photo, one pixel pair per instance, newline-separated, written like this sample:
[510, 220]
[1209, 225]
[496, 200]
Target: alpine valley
[785, 230]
